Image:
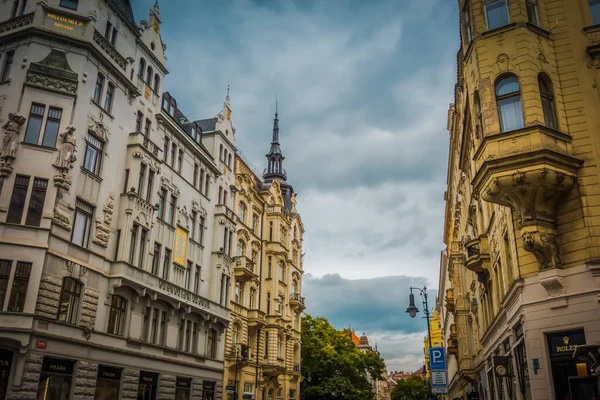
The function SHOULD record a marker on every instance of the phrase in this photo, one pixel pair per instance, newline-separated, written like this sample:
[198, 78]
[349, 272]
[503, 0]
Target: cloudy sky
[364, 88]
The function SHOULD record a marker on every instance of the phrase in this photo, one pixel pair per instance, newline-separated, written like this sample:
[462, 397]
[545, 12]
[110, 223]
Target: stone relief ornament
[103, 226]
[67, 155]
[544, 248]
[61, 217]
[98, 128]
[11, 131]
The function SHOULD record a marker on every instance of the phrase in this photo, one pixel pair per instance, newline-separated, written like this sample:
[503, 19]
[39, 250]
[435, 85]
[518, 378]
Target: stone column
[129, 389]
[85, 380]
[166, 387]
[31, 378]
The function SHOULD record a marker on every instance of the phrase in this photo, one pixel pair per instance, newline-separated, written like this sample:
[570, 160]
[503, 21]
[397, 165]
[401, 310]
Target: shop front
[183, 388]
[108, 382]
[147, 386]
[55, 379]
[6, 358]
[208, 390]
[561, 346]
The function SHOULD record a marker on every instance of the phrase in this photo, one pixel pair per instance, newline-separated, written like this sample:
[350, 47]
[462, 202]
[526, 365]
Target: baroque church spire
[275, 156]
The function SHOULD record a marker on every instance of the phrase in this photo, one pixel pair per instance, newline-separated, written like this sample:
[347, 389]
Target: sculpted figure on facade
[103, 226]
[11, 131]
[67, 155]
[544, 248]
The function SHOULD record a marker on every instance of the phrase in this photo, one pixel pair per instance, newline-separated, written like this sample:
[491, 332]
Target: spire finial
[227, 91]
[155, 8]
[276, 104]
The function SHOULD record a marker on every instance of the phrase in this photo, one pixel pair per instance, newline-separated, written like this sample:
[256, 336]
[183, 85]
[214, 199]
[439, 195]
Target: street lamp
[412, 310]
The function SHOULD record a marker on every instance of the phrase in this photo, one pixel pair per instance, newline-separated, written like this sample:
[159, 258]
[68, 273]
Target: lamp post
[240, 355]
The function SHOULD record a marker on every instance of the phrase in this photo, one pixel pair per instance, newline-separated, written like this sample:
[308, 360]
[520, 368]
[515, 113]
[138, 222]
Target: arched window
[508, 99]
[547, 97]
[149, 73]
[116, 318]
[478, 114]
[294, 287]
[156, 83]
[241, 248]
[141, 68]
[68, 307]
[242, 212]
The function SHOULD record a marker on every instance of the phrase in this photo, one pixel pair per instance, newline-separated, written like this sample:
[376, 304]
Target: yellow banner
[181, 239]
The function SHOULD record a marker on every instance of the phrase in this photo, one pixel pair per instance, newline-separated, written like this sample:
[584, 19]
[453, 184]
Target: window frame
[119, 312]
[500, 98]
[34, 115]
[18, 286]
[533, 12]
[487, 3]
[98, 152]
[87, 227]
[40, 185]
[67, 4]
[594, 7]
[51, 117]
[72, 310]
[547, 100]
[9, 59]
[99, 88]
[109, 97]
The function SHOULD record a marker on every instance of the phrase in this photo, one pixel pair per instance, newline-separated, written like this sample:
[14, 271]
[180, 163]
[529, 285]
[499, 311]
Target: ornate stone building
[520, 273]
[263, 339]
[116, 232]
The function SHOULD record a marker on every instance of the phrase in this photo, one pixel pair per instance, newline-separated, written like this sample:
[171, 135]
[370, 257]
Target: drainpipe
[259, 331]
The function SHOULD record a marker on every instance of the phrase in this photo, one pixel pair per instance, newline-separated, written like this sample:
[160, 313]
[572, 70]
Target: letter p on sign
[437, 358]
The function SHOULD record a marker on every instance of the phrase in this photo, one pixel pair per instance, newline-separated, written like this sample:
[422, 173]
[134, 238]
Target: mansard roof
[208, 125]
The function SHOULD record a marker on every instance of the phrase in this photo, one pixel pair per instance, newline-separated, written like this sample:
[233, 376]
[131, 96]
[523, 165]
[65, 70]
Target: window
[98, 88]
[508, 99]
[220, 152]
[188, 275]
[594, 10]
[156, 258]
[241, 248]
[255, 223]
[479, 115]
[207, 185]
[270, 231]
[532, 12]
[173, 154]
[224, 289]
[171, 211]
[197, 277]
[16, 302]
[34, 124]
[467, 23]
[269, 267]
[496, 12]
[108, 100]
[220, 199]
[92, 159]
[156, 83]
[267, 345]
[5, 267]
[138, 121]
[52, 125]
[268, 303]
[162, 197]
[147, 127]
[229, 161]
[143, 237]
[180, 161]
[116, 317]
[547, 97]
[195, 180]
[235, 336]
[150, 186]
[201, 230]
[8, 61]
[141, 180]
[166, 264]
[252, 298]
[149, 74]
[141, 68]
[280, 346]
[108, 30]
[72, 4]
[211, 344]
[133, 242]
[18, 198]
[201, 184]
[166, 149]
[68, 305]
[281, 271]
[238, 290]
[242, 212]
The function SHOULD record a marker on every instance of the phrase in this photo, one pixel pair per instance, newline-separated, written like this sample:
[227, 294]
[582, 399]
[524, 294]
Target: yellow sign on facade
[228, 113]
[147, 92]
[181, 239]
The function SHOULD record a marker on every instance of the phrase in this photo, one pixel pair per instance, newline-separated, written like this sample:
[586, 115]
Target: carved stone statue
[544, 248]
[68, 151]
[11, 131]
[103, 226]
[67, 155]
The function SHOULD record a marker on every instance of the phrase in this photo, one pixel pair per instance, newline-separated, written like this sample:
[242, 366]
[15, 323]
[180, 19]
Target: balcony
[256, 318]
[244, 268]
[297, 301]
[17, 22]
[450, 306]
[138, 138]
[529, 170]
[453, 341]
[273, 367]
[222, 209]
[110, 50]
[478, 257]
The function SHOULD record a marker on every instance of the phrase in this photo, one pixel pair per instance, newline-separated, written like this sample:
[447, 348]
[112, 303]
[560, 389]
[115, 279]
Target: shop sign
[62, 23]
[563, 344]
[110, 373]
[148, 378]
[183, 382]
[208, 385]
[57, 366]
[6, 357]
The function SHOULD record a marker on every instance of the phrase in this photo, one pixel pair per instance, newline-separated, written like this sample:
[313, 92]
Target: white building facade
[115, 236]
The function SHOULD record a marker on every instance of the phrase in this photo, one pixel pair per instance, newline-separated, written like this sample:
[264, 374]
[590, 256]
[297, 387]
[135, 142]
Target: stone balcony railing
[244, 268]
[110, 50]
[256, 318]
[297, 301]
[17, 22]
[477, 257]
[138, 138]
[222, 209]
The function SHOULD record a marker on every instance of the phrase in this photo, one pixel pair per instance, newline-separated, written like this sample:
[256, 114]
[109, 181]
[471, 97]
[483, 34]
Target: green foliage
[338, 370]
[414, 388]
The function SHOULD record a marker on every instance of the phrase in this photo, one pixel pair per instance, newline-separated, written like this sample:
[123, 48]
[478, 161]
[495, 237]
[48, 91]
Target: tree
[333, 368]
[414, 388]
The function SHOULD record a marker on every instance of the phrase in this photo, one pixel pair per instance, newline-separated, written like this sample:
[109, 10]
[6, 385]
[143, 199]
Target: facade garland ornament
[11, 131]
[103, 226]
[67, 155]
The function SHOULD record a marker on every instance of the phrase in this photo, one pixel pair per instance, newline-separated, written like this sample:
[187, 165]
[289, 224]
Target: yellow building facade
[263, 340]
[520, 275]
[436, 338]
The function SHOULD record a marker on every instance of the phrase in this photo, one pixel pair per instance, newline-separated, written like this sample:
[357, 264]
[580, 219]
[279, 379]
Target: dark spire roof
[275, 156]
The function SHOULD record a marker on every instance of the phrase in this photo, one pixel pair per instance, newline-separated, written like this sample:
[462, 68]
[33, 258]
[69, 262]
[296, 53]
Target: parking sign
[437, 358]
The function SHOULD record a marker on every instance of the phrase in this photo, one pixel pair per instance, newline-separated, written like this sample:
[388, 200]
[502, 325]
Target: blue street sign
[437, 358]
